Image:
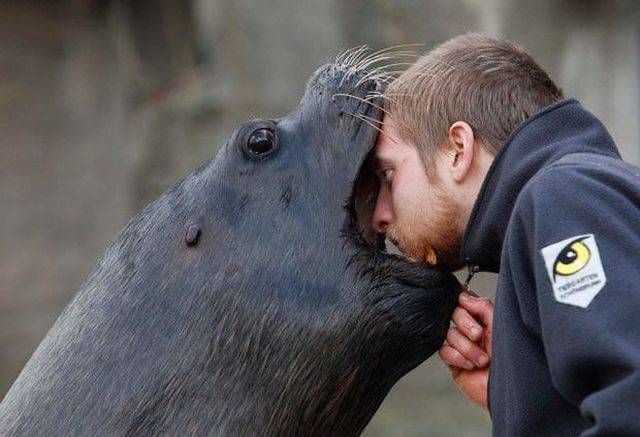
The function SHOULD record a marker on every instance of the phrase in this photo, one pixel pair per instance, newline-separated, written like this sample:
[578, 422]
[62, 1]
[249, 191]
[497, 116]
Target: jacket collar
[560, 129]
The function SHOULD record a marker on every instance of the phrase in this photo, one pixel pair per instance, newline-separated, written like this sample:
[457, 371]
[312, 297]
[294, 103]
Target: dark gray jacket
[558, 217]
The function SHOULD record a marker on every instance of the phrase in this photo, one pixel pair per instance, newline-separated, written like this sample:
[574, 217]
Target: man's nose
[383, 213]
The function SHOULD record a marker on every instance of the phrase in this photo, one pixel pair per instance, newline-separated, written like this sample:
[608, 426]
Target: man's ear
[462, 142]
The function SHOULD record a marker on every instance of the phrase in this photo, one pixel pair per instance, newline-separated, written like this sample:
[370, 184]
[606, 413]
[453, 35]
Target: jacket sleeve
[576, 238]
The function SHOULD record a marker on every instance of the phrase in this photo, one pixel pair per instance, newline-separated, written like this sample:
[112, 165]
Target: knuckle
[464, 347]
[469, 349]
[451, 337]
[469, 323]
[460, 320]
[448, 356]
[485, 303]
[454, 336]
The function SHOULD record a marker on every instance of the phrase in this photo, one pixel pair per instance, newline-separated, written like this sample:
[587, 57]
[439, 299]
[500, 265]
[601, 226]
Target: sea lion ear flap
[419, 301]
[365, 193]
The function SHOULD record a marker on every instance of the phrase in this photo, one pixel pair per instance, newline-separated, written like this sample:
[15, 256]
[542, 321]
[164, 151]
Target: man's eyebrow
[382, 161]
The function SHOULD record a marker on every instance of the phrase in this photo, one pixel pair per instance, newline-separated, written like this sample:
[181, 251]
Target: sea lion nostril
[192, 235]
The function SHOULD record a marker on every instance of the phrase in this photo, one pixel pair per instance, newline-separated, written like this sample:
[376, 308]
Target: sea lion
[248, 299]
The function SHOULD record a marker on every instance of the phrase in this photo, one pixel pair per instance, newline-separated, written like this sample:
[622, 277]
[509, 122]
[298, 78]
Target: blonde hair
[488, 83]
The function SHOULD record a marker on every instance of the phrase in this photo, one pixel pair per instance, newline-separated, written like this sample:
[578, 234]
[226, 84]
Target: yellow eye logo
[572, 258]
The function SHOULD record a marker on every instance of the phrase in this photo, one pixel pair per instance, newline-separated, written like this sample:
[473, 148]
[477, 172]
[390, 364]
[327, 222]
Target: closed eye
[385, 175]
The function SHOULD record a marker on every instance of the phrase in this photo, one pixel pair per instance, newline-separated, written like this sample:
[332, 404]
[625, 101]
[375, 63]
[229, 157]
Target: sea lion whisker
[384, 56]
[350, 73]
[363, 62]
[389, 96]
[370, 60]
[374, 95]
[340, 56]
[380, 70]
[391, 48]
[399, 54]
[366, 63]
[356, 56]
[349, 54]
[371, 119]
[364, 120]
[396, 94]
[369, 97]
[379, 96]
[389, 76]
[361, 100]
[359, 116]
[383, 78]
[350, 60]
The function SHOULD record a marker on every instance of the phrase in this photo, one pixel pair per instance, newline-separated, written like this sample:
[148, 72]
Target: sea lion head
[251, 298]
[298, 171]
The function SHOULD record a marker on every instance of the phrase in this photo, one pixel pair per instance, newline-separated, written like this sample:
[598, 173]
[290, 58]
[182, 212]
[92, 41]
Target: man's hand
[467, 350]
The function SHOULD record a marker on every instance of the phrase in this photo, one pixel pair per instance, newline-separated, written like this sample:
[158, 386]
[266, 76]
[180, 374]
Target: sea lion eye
[261, 143]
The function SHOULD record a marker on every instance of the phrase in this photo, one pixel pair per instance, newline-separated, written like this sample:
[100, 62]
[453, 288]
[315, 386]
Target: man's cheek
[399, 201]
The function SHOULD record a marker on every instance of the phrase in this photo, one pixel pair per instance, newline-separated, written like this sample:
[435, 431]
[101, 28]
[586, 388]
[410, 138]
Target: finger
[455, 372]
[472, 293]
[464, 289]
[480, 307]
[467, 324]
[468, 349]
[452, 357]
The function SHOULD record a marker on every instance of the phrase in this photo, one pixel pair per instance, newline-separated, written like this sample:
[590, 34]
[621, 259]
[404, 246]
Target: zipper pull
[472, 271]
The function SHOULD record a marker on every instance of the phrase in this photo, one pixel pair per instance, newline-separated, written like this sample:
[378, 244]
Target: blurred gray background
[105, 103]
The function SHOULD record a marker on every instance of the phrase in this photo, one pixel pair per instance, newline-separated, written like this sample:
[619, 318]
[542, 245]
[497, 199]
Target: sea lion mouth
[365, 185]
[361, 204]
[358, 91]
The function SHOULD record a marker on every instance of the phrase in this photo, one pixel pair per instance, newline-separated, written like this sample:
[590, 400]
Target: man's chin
[441, 260]
[417, 248]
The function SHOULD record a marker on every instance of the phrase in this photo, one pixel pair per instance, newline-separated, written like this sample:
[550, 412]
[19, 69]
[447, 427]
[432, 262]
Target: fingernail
[483, 360]
[476, 331]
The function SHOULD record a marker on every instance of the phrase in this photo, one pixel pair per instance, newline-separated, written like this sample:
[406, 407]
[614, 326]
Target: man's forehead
[387, 144]
[385, 150]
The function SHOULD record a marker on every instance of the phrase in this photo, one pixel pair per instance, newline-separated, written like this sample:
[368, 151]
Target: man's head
[447, 117]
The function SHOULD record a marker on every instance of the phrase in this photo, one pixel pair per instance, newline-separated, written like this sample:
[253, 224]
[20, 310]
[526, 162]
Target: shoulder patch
[575, 270]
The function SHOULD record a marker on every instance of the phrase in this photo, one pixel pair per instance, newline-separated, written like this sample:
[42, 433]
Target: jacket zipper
[473, 269]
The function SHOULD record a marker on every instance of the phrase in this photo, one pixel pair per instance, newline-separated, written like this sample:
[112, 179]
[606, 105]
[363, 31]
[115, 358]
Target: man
[483, 163]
